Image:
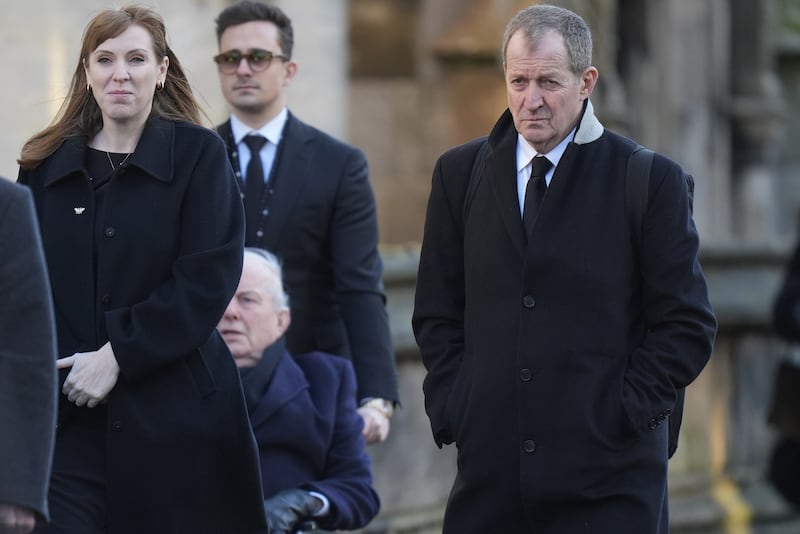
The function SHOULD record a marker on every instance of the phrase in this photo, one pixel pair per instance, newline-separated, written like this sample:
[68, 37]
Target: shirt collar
[271, 130]
[526, 153]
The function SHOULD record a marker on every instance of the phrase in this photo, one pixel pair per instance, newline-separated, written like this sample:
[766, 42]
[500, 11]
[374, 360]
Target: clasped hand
[16, 519]
[376, 425]
[92, 377]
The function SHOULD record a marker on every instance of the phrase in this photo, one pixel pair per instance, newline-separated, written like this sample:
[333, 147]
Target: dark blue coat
[155, 283]
[309, 433]
[553, 364]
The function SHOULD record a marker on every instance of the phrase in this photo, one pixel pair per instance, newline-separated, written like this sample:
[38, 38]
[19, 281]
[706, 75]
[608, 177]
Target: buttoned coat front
[553, 360]
[182, 457]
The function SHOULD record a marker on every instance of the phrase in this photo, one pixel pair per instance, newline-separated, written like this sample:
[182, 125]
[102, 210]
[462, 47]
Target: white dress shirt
[271, 130]
[525, 155]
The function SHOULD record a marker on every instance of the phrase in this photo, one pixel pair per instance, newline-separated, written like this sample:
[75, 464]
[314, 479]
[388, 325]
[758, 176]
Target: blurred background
[714, 84]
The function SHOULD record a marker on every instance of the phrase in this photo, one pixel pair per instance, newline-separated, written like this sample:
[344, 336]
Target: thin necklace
[121, 163]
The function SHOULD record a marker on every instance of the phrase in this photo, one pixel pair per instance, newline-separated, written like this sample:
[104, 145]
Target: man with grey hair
[557, 341]
[302, 408]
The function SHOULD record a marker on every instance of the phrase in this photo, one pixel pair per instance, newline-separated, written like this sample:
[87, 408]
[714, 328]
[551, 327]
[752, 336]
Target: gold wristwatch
[382, 405]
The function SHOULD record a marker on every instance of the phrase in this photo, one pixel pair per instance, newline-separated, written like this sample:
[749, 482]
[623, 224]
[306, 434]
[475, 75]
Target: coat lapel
[501, 171]
[287, 382]
[559, 185]
[256, 379]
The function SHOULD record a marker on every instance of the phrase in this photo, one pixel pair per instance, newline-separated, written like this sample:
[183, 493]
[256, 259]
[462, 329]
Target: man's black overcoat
[553, 364]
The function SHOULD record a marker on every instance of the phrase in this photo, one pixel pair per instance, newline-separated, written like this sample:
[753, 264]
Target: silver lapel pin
[79, 211]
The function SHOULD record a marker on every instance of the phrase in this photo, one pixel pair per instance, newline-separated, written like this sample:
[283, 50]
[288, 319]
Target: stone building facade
[714, 84]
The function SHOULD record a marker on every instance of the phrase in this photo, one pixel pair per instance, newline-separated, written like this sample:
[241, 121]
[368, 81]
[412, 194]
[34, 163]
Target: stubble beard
[250, 108]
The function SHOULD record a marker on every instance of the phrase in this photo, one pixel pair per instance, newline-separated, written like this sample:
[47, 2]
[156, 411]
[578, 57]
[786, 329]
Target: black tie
[254, 186]
[534, 192]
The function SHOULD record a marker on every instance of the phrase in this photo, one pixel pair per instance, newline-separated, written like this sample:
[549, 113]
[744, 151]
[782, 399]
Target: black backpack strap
[475, 176]
[637, 184]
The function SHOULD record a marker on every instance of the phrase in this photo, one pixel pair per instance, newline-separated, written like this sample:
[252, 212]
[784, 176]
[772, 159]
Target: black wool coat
[553, 362]
[27, 356]
[182, 457]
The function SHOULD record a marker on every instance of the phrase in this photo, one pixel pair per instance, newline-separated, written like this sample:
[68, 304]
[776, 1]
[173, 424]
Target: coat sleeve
[786, 310]
[680, 322]
[27, 356]
[438, 317]
[347, 477]
[358, 281]
[182, 313]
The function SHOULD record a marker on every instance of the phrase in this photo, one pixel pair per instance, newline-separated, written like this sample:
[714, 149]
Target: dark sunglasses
[258, 59]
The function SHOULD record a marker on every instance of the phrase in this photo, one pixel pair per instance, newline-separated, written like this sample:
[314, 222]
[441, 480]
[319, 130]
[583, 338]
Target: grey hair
[535, 21]
[280, 298]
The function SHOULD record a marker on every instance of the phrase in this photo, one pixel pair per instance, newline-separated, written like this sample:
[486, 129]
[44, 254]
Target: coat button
[529, 445]
[528, 301]
[116, 425]
[265, 212]
[525, 375]
[110, 231]
[106, 299]
[260, 233]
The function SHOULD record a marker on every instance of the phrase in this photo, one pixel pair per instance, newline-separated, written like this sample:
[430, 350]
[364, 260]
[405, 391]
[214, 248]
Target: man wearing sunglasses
[308, 199]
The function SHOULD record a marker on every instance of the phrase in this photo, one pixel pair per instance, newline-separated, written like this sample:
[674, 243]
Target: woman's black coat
[181, 454]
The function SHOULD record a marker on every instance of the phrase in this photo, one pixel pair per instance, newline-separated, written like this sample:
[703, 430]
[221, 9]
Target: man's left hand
[376, 421]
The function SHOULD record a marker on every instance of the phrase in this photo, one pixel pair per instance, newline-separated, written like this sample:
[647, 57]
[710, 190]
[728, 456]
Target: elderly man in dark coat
[313, 464]
[555, 344]
[27, 365]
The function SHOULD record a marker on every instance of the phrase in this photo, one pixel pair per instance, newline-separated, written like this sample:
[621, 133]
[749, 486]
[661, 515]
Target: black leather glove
[288, 509]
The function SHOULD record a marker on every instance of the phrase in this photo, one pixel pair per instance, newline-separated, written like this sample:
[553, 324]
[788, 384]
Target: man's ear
[588, 82]
[290, 72]
[284, 319]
